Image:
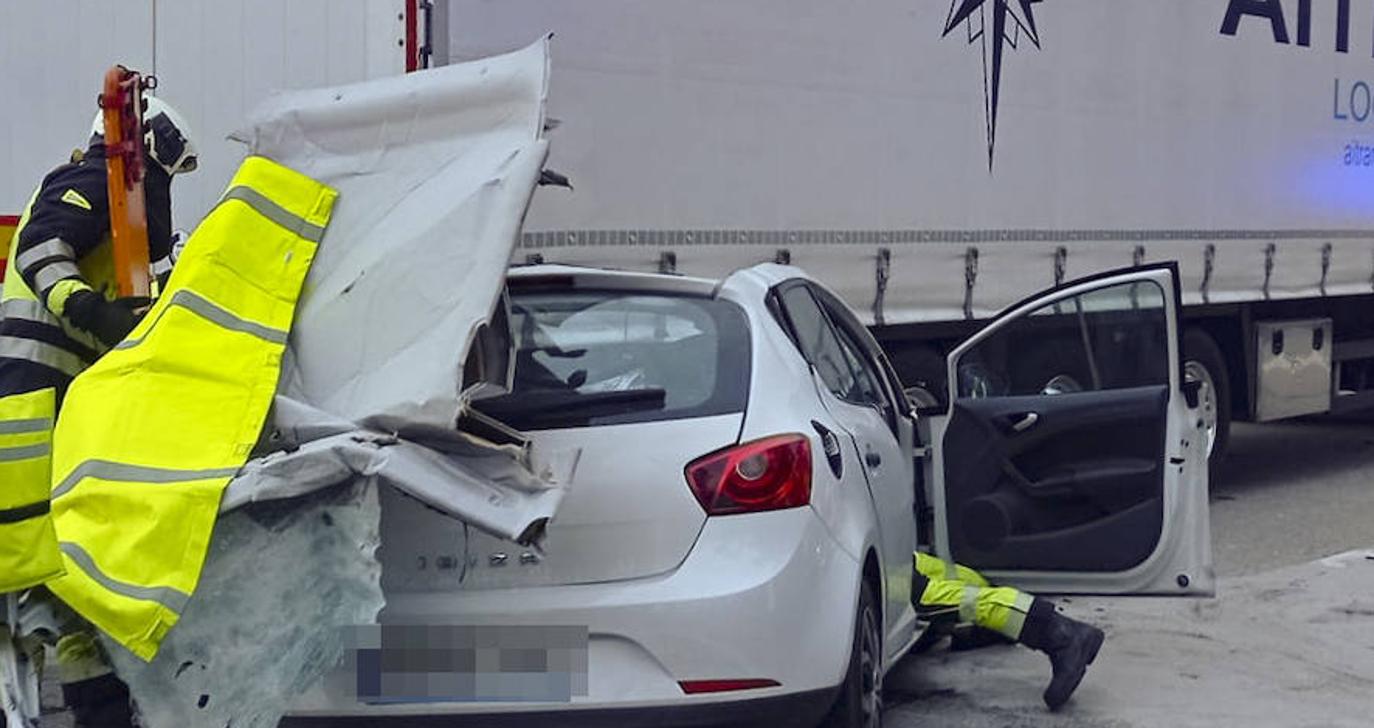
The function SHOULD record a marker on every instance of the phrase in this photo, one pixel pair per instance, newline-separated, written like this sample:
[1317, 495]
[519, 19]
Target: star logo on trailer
[1009, 21]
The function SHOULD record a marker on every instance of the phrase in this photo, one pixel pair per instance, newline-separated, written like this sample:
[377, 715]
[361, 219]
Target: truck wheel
[1054, 366]
[1203, 362]
[922, 371]
[860, 702]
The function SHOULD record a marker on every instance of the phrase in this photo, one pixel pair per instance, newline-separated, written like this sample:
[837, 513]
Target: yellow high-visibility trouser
[150, 434]
[28, 543]
[958, 592]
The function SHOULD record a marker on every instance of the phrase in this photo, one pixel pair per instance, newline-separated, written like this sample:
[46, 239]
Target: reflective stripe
[24, 513]
[1016, 616]
[24, 452]
[162, 265]
[274, 212]
[41, 352]
[25, 309]
[120, 472]
[72, 197]
[19, 427]
[55, 248]
[968, 606]
[206, 309]
[50, 274]
[168, 597]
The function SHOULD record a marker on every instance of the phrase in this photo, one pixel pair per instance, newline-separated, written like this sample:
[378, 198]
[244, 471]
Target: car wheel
[860, 702]
[1204, 363]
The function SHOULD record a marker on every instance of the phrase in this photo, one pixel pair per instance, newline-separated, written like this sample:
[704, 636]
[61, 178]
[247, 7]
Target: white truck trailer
[936, 160]
[933, 160]
[213, 60]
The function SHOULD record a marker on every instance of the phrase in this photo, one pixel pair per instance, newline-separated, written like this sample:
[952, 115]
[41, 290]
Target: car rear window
[586, 358]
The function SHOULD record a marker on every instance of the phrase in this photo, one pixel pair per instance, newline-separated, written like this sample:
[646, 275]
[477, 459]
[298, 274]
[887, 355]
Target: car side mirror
[1192, 391]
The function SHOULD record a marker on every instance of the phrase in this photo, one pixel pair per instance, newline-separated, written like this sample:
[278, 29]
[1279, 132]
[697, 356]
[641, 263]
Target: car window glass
[865, 381]
[852, 335]
[840, 367]
[586, 358]
[1111, 338]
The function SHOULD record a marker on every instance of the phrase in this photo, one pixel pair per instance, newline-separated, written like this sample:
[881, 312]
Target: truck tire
[922, 372]
[1054, 366]
[860, 701]
[1203, 361]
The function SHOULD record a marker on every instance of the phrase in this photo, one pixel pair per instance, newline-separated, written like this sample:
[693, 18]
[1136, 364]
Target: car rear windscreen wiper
[526, 410]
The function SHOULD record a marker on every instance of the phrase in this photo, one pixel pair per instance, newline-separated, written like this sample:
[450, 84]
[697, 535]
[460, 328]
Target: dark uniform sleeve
[68, 219]
[157, 197]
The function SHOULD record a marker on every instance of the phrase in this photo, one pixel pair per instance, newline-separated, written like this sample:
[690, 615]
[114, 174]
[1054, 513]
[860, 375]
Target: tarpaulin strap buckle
[1137, 260]
[884, 267]
[1326, 265]
[1061, 265]
[970, 277]
[1270, 251]
[1209, 259]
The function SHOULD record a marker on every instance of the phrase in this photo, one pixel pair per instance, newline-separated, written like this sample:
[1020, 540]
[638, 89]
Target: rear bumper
[766, 596]
[799, 710]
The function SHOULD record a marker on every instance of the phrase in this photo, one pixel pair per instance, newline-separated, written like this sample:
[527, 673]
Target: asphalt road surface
[1278, 643]
[1293, 492]
[1290, 493]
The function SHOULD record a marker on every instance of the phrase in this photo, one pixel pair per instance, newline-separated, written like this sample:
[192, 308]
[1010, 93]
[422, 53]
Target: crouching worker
[56, 318]
[951, 597]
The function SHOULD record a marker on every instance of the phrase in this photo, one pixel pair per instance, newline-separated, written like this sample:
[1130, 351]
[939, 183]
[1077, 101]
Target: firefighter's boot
[1070, 644]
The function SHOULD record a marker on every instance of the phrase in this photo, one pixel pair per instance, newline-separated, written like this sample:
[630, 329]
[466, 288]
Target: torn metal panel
[503, 490]
[435, 171]
[282, 582]
[402, 319]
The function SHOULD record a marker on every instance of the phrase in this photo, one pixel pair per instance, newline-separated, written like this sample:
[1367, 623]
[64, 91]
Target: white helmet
[167, 137]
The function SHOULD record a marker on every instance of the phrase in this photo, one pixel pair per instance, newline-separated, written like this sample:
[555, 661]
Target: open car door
[1070, 459]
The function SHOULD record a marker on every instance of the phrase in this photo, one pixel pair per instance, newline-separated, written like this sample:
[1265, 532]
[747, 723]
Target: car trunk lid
[628, 514]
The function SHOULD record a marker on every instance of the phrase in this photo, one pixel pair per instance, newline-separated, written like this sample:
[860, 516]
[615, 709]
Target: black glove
[109, 321]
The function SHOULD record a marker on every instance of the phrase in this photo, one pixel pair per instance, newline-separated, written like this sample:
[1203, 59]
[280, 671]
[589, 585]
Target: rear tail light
[763, 475]
[694, 687]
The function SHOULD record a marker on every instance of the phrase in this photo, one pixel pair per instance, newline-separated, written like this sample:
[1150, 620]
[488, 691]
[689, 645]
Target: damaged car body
[736, 543]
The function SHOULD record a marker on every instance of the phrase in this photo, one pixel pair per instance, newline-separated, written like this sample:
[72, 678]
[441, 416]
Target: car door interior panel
[1071, 482]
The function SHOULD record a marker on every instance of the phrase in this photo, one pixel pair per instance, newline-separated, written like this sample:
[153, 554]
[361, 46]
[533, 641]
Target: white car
[737, 541]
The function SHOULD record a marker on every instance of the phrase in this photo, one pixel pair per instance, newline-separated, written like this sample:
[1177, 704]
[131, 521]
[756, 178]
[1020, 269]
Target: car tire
[1202, 359]
[860, 700]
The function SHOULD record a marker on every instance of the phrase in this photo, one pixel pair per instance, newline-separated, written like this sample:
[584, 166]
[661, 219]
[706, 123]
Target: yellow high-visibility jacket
[28, 544]
[150, 435]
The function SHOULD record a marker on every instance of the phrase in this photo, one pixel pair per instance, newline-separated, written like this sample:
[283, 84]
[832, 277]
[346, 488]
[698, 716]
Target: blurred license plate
[428, 663]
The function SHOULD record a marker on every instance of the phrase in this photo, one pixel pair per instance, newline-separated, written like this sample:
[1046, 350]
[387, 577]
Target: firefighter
[958, 600]
[58, 313]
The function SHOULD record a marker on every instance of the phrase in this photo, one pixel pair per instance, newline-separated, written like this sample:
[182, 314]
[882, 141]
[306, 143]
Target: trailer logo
[995, 40]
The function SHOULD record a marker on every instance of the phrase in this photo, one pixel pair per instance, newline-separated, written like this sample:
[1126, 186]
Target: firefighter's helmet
[167, 137]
